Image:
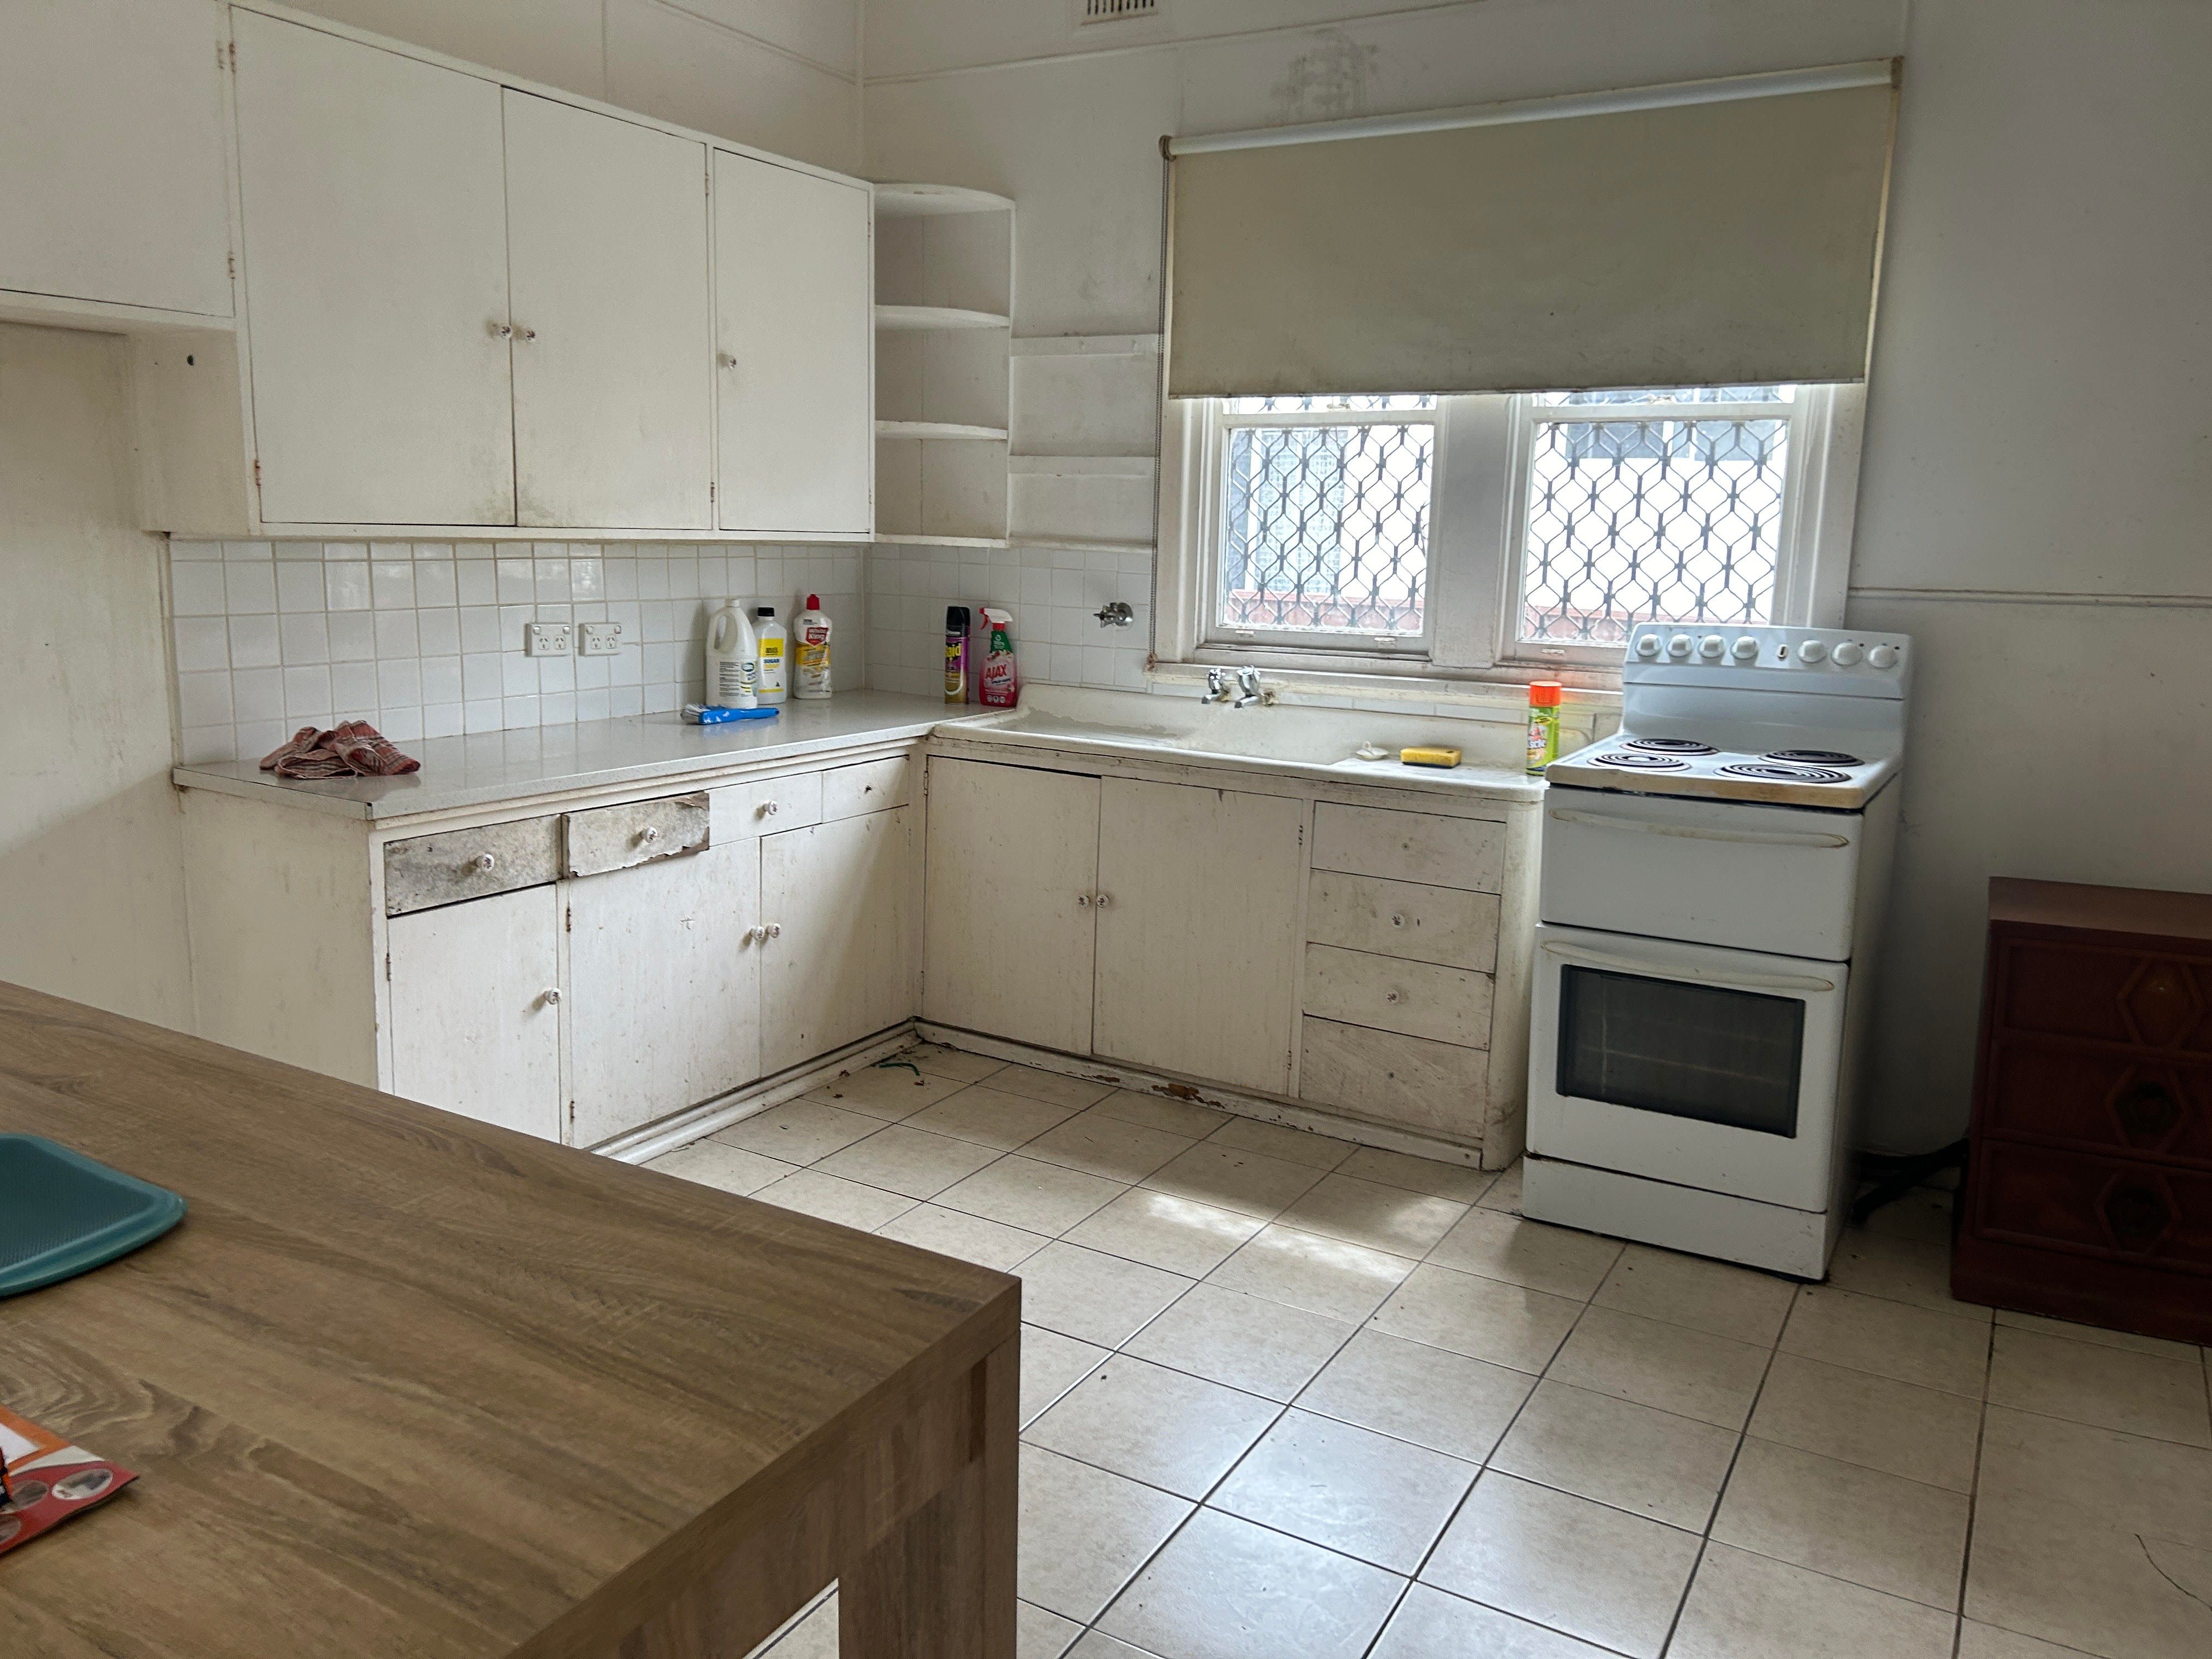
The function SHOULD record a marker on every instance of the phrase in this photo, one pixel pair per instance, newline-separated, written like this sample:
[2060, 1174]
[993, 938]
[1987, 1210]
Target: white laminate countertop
[495, 766]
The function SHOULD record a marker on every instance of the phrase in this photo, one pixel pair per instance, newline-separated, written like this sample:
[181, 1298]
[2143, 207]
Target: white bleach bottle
[732, 659]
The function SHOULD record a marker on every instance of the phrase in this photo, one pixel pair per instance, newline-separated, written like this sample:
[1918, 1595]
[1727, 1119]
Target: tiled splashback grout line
[425, 638]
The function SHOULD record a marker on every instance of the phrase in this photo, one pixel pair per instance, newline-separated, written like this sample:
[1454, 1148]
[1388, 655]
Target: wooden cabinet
[2088, 1192]
[795, 373]
[841, 957]
[476, 997]
[1197, 912]
[111, 120]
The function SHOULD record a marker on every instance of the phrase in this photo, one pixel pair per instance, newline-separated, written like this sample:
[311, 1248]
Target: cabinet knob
[1389, 996]
[1398, 920]
[550, 996]
[650, 834]
[1102, 900]
[485, 861]
[726, 360]
[1083, 900]
[527, 333]
[501, 331]
[776, 930]
[2148, 1112]
[769, 808]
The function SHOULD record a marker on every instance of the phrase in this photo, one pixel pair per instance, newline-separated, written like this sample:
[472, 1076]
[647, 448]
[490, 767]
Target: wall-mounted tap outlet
[1116, 613]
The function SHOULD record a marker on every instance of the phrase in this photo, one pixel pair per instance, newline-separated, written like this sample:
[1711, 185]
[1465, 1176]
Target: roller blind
[1715, 234]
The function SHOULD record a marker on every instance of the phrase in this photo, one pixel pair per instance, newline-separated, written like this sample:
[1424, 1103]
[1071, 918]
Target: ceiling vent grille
[1117, 11]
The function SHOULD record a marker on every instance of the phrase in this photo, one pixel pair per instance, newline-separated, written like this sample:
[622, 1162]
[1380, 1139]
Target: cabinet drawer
[615, 837]
[1415, 998]
[1421, 847]
[870, 786]
[767, 805]
[1436, 1086]
[2119, 1209]
[2105, 994]
[1403, 918]
[428, 870]
[2135, 1108]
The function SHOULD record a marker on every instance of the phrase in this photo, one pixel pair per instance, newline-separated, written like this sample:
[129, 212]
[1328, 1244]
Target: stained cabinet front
[475, 998]
[838, 961]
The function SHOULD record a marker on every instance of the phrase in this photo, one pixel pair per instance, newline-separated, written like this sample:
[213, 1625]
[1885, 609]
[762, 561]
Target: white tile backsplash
[425, 639]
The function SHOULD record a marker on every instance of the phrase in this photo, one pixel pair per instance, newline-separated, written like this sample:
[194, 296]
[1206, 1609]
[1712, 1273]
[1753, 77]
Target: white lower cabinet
[839, 961]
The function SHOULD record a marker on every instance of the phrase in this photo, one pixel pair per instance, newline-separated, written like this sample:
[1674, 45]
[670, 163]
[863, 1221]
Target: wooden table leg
[941, 1585]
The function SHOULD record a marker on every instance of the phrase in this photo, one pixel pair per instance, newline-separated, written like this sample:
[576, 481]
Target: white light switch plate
[601, 639]
[545, 639]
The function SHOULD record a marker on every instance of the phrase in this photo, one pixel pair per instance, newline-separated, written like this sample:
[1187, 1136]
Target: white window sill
[1591, 704]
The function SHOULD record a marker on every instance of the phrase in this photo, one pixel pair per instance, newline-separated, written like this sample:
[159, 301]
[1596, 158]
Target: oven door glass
[1695, 1051]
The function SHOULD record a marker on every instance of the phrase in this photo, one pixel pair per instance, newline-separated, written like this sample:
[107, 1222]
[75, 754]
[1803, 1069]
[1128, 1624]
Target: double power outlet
[599, 638]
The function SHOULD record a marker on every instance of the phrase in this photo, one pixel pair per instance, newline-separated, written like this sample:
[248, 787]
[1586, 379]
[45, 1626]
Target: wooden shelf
[921, 201]
[940, 429]
[937, 317]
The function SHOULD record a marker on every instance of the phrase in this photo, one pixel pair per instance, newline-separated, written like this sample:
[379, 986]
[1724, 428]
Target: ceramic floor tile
[2112, 1388]
[712, 1164]
[1224, 1589]
[1244, 1342]
[1432, 1624]
[1166, 1429]
[799, 1131]
[1346, 1488]
[1028, 1193]
[1097, 1644]
[1325, 1276]
[1179, 1234]
[1913, 1270]
[1383, 1218]
[986, 1115]
[814, 1636]
[847, 1202]
[900, 1159]
[2097, 1333]
[1977, 1641]
[1249, 1182]
[1651, 1463]
[936, 1057]
[1923, 1214]
[1900, 1428]
[1085, 1533]
[1557, 1260]
[1563, 1561]
[1461, 1183]
[1890, 1339]
[1280, 1140]
[1177, 1117]
[1429, 1395]
[1746, 1606]
[1108, 1146]
[1039, 1634]
[887, 1091]
[969, 1237]
[1505, 1193]
[1071, 1094]
[1051, 1365]
[1670, 1367]
[1713, 1297]
[1092, 1296]
[1880, 1530]
[1481, 1318]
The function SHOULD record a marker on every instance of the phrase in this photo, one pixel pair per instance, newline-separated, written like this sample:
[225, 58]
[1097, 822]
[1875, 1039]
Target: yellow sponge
[1429, 757]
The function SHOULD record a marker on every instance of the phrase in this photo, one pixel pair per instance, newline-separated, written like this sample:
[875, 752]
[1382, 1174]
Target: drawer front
[1437, 1087]
[1405, 919]
[429, 871]
[615, 837]
[2141, 1107]
[870, 786]
[767, 805]
[1420, 846]
[2110, 995]
[1414, 998]
[2119, 1209]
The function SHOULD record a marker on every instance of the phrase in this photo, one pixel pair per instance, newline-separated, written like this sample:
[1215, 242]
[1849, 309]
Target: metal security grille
[1640, 510]
[1325, 515]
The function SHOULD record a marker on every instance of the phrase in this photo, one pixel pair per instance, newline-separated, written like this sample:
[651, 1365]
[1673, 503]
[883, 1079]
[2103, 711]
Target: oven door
[1686, 1063]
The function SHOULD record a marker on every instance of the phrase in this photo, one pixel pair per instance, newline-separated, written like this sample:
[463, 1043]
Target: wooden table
[405, 1384]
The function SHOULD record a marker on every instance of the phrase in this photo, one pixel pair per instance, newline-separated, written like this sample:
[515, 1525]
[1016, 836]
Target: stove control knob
[1847, 653]
[1811, 651]
[1648, 645]
[1746, 648]
[1710, 648]
[1679, 648]
[1882, 656]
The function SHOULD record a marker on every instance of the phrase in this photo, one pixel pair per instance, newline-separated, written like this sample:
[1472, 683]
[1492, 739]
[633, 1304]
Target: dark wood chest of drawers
[2088, 1190]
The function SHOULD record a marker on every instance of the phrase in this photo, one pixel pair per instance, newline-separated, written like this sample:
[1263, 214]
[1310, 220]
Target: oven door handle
[1681, 970]
[1690, 832]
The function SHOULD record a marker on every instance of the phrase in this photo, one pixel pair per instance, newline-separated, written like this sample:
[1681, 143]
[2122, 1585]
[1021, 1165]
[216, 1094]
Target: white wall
[91, 872]
[2034, 425]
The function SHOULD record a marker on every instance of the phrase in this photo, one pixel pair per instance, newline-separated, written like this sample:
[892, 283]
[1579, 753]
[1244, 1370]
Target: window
[1495, 535]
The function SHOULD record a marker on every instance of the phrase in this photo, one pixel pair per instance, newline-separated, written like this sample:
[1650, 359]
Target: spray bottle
[1001, 681]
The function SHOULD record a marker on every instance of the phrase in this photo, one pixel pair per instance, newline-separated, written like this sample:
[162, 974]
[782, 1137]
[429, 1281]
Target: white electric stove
[1713, 878]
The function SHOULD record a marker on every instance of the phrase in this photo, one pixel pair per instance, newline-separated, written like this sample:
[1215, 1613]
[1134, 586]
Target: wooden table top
[404, 1384]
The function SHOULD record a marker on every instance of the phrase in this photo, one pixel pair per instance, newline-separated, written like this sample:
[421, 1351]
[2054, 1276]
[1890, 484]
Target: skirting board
[1356, 1130]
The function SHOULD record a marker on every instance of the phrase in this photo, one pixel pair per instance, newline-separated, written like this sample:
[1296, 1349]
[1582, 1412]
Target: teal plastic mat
[61, 1214]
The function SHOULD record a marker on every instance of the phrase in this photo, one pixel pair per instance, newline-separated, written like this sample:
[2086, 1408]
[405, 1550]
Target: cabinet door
[606, 224]
[1008, 932]
[838, 900]
[111, 117]
[1198, 930]
[663, 988]
[473, 1028]
[375, 239]
[795, 332]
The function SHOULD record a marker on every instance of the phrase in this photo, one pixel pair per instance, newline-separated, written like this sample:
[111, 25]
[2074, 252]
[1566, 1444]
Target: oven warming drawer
[1776, 879]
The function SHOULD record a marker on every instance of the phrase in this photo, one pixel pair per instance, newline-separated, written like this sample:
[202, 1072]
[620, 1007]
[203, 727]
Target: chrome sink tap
[1217, 685]
[1250, 689]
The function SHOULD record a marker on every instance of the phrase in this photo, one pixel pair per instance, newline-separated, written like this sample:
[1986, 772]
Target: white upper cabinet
[606, 225]
[794, 329]
[376, 282]
[112, 153]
